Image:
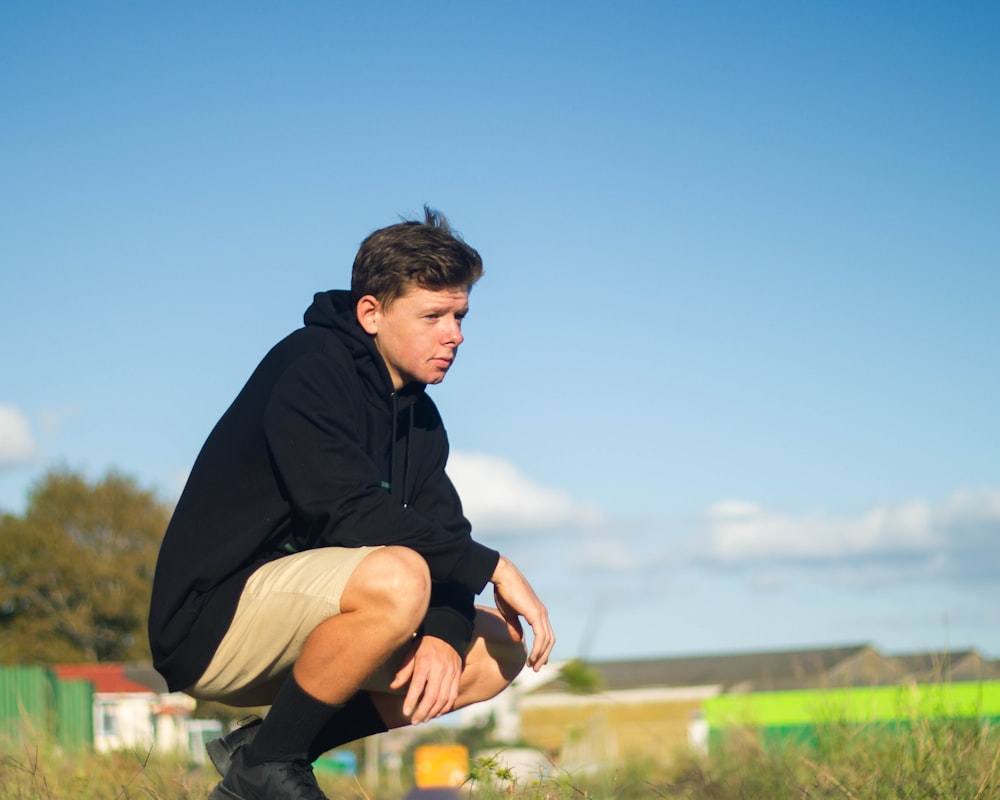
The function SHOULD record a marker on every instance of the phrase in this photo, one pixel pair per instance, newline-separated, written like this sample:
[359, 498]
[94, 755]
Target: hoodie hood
[333, 310]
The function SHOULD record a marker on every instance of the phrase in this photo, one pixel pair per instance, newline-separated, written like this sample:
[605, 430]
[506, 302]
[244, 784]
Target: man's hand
[433, 669]
[515, 597]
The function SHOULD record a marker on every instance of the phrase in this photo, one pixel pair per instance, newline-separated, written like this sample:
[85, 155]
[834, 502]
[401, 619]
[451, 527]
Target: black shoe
[275, 780]
[220, 751]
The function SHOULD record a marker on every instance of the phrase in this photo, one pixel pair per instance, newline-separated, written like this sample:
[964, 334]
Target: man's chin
[436, 377]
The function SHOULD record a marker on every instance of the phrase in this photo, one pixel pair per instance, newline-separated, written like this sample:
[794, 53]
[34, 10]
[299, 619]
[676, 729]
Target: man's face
[418, 334]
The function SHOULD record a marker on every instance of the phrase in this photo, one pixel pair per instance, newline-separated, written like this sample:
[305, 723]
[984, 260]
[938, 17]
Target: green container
[337, 762]
[27, 707]
[812, 717]
[893, 704]
[75, 715]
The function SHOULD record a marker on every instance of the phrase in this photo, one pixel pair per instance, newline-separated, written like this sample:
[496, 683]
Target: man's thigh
[282, 603]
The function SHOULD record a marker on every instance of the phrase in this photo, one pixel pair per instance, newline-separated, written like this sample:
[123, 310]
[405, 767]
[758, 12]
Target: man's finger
[403, 675]
[439, 699]
[544, 641]
[431, 702]
[413, 695]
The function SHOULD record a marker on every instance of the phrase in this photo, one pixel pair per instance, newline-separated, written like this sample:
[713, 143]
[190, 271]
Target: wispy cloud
[957, 538]
[498, 499]
[606, 554]
[17, 444]
[53, 419]
[743, 532]
[177, 481]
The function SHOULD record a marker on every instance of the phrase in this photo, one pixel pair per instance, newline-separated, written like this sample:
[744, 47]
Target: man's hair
[427, 254]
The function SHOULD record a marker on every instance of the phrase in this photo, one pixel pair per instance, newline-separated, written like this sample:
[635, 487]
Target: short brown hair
[427, 254]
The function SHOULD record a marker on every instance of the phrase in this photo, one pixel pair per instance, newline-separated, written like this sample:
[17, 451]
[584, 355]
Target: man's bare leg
[382, 605]
[493, 661]
[495, 658]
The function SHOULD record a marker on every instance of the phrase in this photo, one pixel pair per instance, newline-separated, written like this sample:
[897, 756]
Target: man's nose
[454, 333]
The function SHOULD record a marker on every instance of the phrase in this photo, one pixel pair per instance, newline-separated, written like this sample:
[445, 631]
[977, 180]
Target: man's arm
[515, 598]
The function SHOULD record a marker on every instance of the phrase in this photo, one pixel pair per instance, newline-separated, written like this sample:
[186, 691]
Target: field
[946, 760]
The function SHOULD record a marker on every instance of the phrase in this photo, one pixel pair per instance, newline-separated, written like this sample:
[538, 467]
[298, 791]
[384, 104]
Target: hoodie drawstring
[392, 449]
[406, 459]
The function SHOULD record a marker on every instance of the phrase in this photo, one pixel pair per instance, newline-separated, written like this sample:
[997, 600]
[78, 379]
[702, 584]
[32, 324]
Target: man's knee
[510, 657]
[499, 656]
[395, 579]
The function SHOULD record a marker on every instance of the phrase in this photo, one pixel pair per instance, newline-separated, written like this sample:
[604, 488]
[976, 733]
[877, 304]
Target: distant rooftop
[845, 665]
[110, 678]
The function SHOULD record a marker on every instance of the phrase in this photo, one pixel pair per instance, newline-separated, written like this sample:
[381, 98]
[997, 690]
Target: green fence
[36, 706]
[75, 714]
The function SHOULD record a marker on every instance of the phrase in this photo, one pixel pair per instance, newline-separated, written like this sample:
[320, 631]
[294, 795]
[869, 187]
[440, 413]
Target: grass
[930, 760]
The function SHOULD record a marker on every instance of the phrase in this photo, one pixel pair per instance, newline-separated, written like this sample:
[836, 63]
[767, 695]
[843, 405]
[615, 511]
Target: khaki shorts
[282, 603]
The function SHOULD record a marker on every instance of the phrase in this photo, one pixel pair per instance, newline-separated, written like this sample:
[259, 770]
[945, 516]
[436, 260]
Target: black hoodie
[317, 450]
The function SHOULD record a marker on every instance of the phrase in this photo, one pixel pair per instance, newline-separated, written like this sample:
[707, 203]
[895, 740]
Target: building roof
[114, 678]
[962, 665]
[827, 667]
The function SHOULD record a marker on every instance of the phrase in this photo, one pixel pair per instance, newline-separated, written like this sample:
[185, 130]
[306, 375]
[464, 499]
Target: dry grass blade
[829, 776]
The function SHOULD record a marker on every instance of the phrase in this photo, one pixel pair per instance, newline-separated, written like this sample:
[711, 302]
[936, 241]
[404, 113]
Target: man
[318, 560]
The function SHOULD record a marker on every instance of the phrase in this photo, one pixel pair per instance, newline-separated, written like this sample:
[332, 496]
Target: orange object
[437, 765]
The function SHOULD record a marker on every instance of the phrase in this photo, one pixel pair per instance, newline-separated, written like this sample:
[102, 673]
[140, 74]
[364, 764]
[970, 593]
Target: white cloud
[741, 531]
[17, 445]
[499, 499]
[606, 554]
[178, 480]
[958, 538]
[52, 420]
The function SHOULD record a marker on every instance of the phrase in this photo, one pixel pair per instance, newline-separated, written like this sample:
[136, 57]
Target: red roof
[107, 678]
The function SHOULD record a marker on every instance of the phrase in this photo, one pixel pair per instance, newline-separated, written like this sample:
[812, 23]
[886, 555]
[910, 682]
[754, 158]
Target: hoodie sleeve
[335, 488]
[451, 616]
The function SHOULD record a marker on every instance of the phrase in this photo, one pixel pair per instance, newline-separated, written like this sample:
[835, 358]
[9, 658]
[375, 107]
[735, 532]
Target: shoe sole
[219, 755]
[220, 792]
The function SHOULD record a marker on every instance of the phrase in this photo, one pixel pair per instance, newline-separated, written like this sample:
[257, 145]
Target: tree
[76, 570]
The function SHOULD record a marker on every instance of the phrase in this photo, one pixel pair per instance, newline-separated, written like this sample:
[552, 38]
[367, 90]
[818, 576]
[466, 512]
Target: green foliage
[933, 761]
[487, 774]
[580, 677]
[76, 570]
[477, 737]
[473, 737]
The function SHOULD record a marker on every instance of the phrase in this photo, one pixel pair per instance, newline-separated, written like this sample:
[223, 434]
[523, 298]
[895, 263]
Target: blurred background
[730, 380]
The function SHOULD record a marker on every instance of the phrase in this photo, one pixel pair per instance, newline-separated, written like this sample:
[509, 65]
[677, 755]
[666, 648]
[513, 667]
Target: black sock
[290, 727]
[356, 719]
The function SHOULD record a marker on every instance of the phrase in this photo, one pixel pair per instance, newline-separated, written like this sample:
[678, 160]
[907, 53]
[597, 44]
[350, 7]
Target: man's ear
[368, 311]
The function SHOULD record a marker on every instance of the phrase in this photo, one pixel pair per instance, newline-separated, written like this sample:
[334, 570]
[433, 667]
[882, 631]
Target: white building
[134, 710]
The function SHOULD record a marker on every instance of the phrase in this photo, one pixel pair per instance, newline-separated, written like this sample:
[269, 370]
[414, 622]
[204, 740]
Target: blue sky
[730, 380]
